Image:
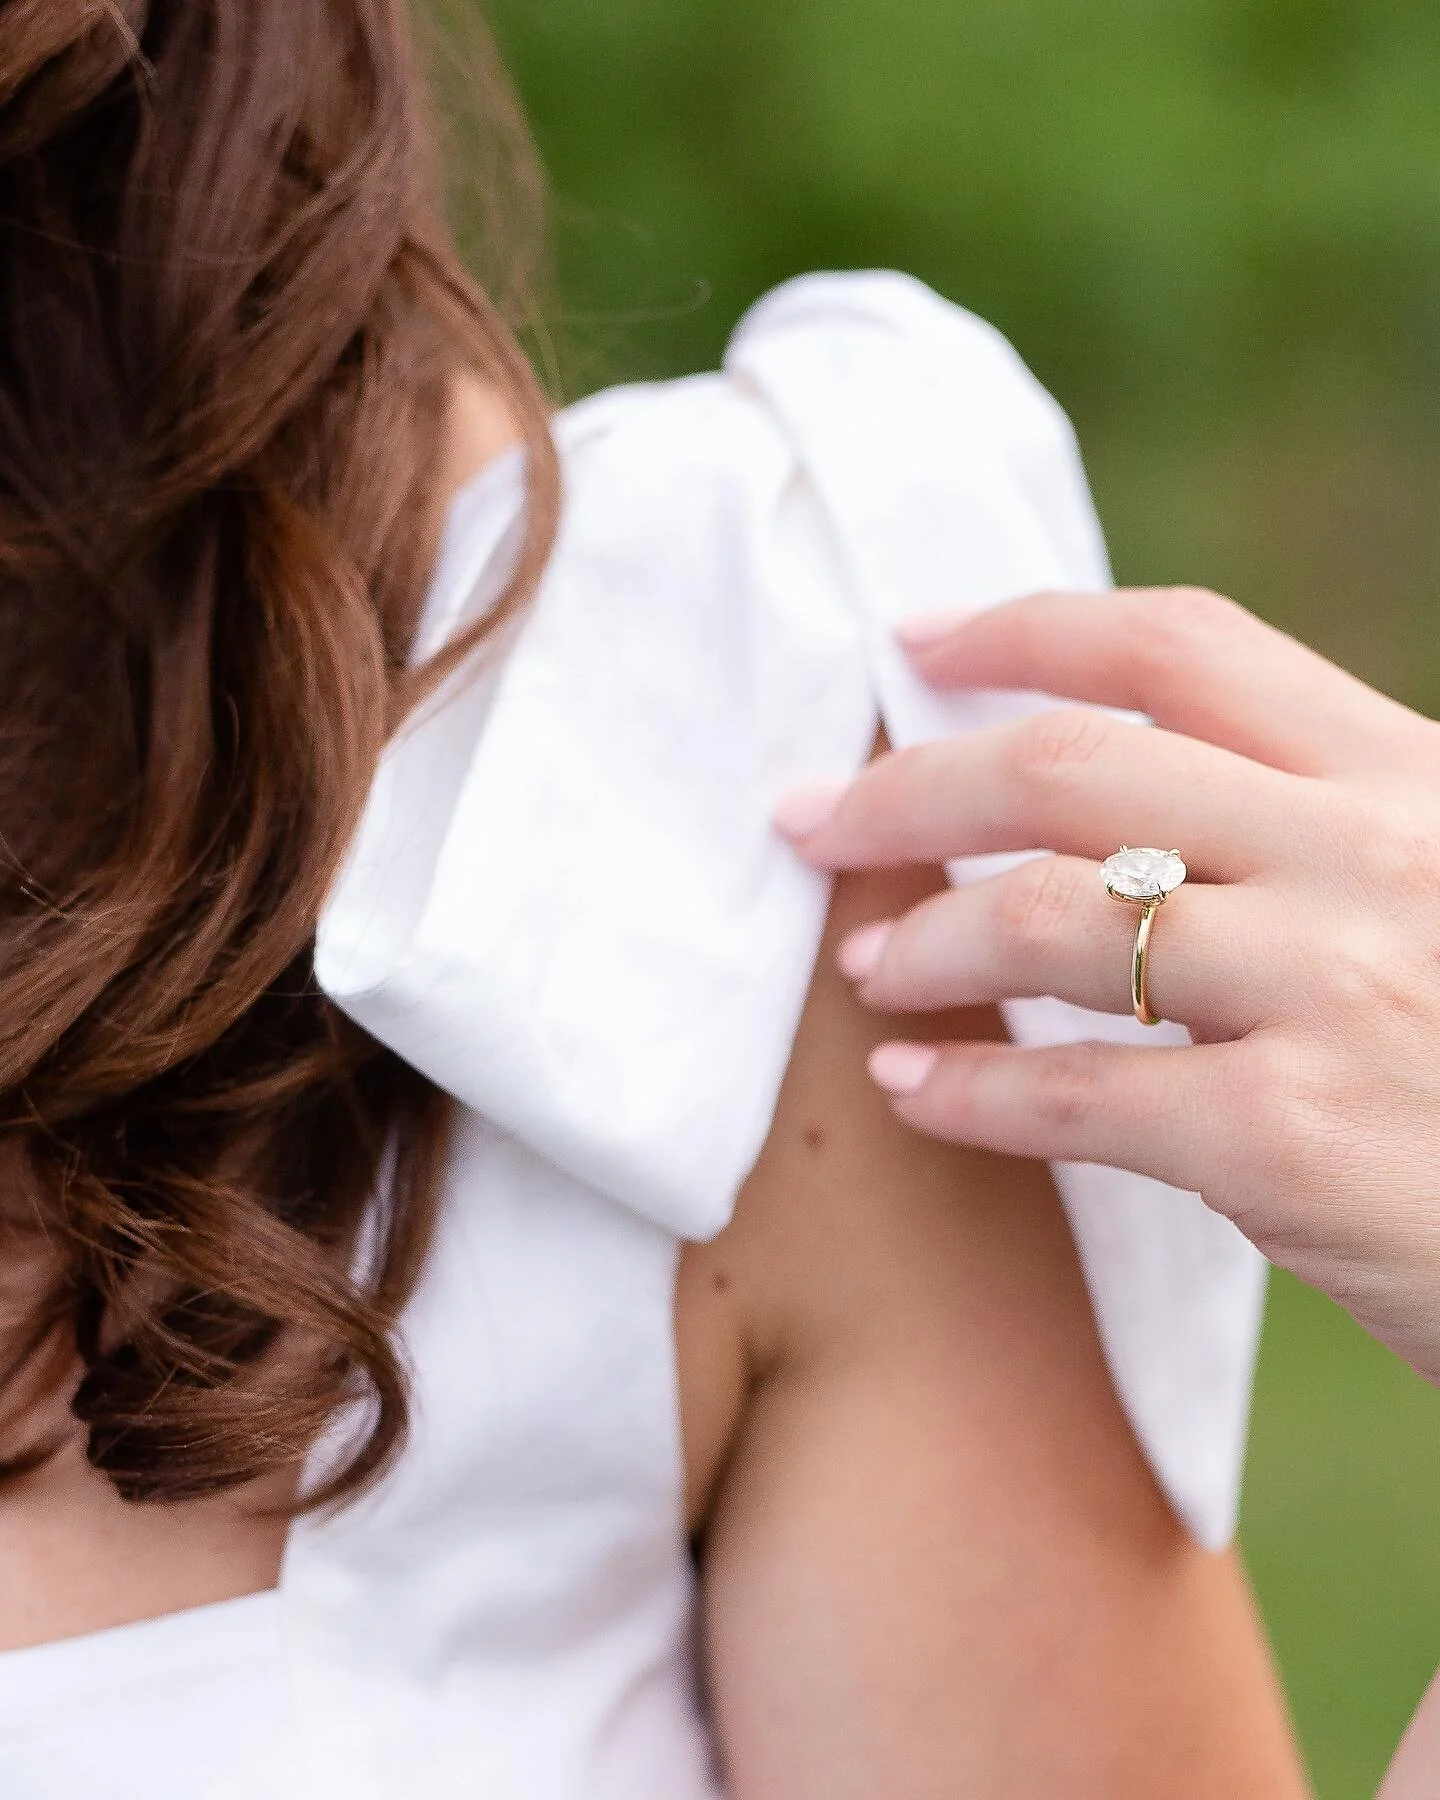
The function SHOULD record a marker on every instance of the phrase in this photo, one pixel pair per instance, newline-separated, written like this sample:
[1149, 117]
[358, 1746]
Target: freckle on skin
[813, 1138]
[720, 1281]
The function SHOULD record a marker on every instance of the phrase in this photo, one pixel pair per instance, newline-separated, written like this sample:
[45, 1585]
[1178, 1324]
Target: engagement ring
[1143, 878]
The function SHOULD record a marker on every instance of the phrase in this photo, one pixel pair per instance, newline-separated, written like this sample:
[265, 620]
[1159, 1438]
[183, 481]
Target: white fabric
[140, 1713]
[566, 906]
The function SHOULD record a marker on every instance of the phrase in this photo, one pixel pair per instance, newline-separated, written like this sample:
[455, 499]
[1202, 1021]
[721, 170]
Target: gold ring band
[1143, 878]
[1139, 998]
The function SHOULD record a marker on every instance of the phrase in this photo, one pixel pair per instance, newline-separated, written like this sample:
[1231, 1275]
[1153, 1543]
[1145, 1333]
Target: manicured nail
[859, 955]
[921, 630]
[801, 812]
[902, 1069]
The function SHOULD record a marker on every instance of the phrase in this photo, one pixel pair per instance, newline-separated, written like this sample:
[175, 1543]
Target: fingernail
[921, 630]
[859, 955]
[802, 811]
[902, 1069]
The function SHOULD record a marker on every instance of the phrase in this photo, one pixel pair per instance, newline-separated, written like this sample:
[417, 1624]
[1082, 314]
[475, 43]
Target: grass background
[1213, 228]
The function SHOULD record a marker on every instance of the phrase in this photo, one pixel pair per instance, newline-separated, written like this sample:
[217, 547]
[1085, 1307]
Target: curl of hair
[230, 324]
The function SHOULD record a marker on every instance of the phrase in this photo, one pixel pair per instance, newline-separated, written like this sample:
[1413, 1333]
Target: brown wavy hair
[231, 322]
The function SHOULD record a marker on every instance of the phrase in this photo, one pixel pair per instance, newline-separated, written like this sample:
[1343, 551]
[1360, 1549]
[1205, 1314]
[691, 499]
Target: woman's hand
[1303, 953]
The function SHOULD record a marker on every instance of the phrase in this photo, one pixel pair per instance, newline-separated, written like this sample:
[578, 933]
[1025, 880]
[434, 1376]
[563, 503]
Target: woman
[1301, 953]
[433, 1198]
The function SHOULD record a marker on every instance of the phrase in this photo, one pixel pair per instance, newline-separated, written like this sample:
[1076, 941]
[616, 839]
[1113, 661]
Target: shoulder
[479, 426]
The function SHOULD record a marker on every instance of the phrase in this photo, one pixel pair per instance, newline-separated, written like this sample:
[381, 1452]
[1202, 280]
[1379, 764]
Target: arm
[1412, 1775]
[936, 1563]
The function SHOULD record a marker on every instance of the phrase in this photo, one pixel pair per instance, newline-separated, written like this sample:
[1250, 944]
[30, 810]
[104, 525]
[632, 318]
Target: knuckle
[1036, 906]
[1069, 1087]
[1394, 844]
[1362, 971]
[1054, 747]
[1187, 615]
[904, 783]
[1174, 625]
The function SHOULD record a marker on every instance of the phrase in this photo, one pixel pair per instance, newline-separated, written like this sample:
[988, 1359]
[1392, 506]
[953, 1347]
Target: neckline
[178, 1636]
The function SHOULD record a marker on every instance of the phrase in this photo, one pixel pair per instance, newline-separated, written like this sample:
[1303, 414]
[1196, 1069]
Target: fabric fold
[565, 903]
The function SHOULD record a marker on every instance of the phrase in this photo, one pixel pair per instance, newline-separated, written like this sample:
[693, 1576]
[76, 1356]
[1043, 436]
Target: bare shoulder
[479, 426]
[934, 1557]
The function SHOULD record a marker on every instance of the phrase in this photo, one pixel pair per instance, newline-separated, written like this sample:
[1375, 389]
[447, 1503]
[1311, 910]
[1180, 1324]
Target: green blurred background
[1213, 228]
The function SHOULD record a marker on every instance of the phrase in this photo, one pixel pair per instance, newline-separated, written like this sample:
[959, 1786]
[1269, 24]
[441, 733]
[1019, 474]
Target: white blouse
[566, 906]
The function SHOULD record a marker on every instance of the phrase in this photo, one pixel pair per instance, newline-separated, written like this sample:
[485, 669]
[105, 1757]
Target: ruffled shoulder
[898, 394]
[565, 903]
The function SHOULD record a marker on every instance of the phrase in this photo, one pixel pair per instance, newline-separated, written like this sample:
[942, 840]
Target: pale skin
[1302, 953]
[934, 1560]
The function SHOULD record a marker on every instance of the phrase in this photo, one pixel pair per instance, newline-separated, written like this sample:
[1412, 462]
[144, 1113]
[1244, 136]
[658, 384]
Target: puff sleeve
[565, 903]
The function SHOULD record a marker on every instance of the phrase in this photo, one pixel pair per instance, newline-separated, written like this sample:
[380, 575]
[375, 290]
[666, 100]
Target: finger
[1194, 661]
[1071, 780]
[1150, 1110]
[1050, 928]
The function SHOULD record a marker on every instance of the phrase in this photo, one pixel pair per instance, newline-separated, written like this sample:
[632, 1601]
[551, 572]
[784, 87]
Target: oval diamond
[1143, 874]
